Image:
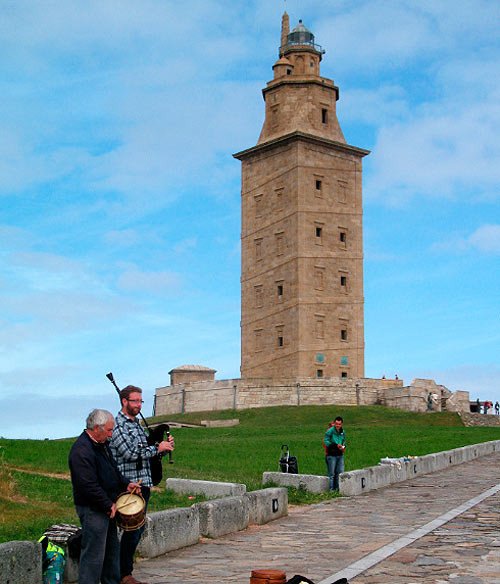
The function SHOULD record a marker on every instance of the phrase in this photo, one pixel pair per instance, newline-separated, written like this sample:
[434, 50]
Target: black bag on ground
[66, 535]
[303, 580]
[288, 463]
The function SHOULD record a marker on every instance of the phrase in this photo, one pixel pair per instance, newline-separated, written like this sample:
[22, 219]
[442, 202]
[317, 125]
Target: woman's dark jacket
[97, 482]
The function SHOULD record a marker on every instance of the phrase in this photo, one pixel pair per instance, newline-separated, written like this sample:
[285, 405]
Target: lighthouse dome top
[301, 35]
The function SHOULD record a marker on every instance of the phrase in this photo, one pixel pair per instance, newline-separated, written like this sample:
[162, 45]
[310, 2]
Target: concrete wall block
[169, 530]
[423, 465]
[266, 505]
[311, 483]
[459, 455]
[399, 472]
[353, 483]
[438, 461]
[210, 489]
[223, 516]
[70, 570]
[361, 481]
[485, 448]
[20, 562]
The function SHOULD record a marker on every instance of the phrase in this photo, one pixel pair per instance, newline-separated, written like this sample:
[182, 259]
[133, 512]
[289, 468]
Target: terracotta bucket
[267, 577]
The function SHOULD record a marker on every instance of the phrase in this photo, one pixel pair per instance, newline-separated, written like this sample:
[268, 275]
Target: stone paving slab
[318, 541]
[464, 551]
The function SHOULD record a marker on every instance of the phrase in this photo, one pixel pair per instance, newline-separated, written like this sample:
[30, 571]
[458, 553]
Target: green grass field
[29, 503]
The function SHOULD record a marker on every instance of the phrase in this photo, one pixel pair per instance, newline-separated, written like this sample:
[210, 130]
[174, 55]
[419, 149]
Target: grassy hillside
[30, 500]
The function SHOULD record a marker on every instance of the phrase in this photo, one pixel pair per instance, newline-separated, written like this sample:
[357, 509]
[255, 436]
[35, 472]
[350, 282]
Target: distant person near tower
[131, 450]
[497, 408]
[335, 444]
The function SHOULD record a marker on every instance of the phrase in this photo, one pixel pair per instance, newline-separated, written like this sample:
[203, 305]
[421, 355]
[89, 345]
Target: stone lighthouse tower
[301, 239]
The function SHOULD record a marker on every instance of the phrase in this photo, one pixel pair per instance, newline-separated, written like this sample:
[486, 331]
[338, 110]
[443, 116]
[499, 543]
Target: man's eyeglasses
[136, 401]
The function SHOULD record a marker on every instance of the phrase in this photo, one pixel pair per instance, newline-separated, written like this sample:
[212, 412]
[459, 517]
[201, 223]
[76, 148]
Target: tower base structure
[422, 395]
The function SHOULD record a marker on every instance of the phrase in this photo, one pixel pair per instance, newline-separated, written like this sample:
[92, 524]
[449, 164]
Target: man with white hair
[97, 483]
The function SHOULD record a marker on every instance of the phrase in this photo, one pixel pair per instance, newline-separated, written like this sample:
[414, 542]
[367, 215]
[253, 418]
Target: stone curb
[210, 489]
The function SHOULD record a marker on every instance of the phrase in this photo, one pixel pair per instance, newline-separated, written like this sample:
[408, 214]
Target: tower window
[258, 205]
[324, 116]
[318, 185]
[258, 249]
[288, 71]
[342, 191]
[319, 373]
[319, 232]
[280, 338]
[279, 198]
[279, 289]
[343, 374]
[319, 278]
[258, 340]
[343, 281]
[258, 296]
[280, 242]
[343, 237]
[274, 116]
[320, 328]
[343, 334]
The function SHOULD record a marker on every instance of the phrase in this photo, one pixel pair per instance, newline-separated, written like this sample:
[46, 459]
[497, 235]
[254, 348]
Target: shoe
[130, 580]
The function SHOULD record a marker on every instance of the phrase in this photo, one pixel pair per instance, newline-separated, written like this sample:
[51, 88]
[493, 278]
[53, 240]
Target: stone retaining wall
[255, 393]
[172, 529]
[240, 394]
[363, 480]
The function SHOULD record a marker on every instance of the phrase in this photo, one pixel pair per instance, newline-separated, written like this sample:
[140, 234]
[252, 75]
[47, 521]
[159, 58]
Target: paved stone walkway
[323, 541]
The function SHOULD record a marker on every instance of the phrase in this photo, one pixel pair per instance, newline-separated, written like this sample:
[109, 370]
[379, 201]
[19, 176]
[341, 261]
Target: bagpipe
[156, 434]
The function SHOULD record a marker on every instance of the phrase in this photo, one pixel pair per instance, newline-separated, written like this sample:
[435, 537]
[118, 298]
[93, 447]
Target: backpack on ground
[288, 463]
[53, 562]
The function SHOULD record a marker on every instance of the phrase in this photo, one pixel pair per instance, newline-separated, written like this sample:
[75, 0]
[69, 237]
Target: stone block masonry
[210, 489]
[241, 394]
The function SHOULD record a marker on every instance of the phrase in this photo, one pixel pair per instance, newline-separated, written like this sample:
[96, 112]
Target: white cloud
[485, 239]
[378, 37]
[380, 106]
[438, 154]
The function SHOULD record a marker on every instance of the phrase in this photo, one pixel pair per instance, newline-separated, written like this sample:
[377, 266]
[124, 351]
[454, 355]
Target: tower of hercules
[301, 238]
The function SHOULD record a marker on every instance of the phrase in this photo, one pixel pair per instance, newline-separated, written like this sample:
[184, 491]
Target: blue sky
[119, 196]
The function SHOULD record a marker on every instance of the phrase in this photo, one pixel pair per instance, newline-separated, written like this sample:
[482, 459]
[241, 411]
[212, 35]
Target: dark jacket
[97, 482]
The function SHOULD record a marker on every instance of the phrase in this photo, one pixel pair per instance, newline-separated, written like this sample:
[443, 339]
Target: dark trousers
[130, 541]
[99, 558]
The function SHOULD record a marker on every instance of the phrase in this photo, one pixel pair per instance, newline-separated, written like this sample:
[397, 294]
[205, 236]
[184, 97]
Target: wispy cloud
[485, 239]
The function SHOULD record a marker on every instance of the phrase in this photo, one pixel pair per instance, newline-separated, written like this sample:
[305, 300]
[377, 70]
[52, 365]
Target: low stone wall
[169, 530]
[479, 419]
[311, 483]
[165, 531]
[176, 528]
[209, 489]
[20, 562]
[364, 480]
[223, 516]
[255, 393]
